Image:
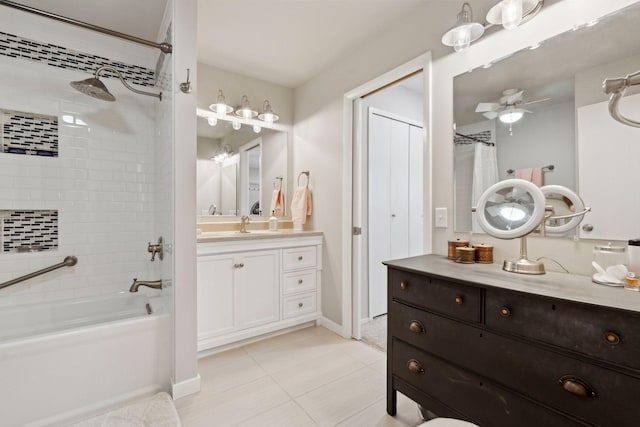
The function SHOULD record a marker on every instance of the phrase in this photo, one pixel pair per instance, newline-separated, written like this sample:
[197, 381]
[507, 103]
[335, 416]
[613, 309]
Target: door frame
[351, 281]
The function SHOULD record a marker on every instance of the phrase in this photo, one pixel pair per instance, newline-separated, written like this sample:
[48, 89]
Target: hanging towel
[301, 205]
[277, 203]
[485, 174]
[534, 175]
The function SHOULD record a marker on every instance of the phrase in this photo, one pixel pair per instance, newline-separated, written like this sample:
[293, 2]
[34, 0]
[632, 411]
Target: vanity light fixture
[511, 13]
[236, 125]
[464, 32]
[257, 128]
[223, 154]
[212, 120]
[267, 115]
[244, 110]
[220, 107]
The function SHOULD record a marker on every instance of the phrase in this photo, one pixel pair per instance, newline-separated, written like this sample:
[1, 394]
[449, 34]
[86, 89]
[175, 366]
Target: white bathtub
[62, 361]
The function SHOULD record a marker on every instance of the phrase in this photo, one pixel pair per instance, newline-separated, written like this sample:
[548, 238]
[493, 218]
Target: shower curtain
[485, 174]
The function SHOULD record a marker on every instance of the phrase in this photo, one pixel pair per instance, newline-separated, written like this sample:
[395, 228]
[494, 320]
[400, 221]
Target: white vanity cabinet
[249, 287]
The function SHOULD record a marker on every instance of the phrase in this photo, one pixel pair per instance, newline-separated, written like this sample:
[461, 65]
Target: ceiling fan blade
[490, 115]
[487, 106]
[536, 101]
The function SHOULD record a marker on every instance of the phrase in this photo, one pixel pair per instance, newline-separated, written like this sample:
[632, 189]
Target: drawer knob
[300, 305]
[505, 311]
[403, 285]
[415, 367]
[299, 281]
[416, 327]
[300, 258]
[611, 338]
[576, 386]
[459, 300]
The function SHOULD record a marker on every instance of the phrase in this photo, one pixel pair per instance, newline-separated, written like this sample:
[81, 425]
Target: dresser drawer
[298, 305]
[484, 403]
[453, 299]
[296, 258]
[299, 281]
[608, 334]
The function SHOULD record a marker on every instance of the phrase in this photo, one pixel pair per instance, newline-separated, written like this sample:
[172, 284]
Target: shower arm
[124, 82]
[67, 262]
[617, 87]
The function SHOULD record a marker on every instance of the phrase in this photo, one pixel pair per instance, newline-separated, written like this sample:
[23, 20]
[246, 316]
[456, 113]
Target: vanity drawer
[482, 402]
[453, 299]
[608, 334]
[299, 281]
[298, 305]
[296, 258]
[590, 392]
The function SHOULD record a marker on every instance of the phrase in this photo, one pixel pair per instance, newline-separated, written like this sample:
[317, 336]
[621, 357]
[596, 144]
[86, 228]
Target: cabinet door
[257, 288]
[215, 295]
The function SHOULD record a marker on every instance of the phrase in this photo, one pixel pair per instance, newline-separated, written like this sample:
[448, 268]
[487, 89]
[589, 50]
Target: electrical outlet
[441, 217]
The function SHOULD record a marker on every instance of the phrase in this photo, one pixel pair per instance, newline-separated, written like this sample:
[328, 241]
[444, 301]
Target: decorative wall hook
[185, 87]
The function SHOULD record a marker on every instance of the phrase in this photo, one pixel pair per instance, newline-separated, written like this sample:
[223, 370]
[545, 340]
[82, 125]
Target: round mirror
[511, 208]
[564, 202]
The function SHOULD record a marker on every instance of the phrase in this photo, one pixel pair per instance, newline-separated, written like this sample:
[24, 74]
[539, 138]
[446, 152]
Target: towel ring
[300, 176]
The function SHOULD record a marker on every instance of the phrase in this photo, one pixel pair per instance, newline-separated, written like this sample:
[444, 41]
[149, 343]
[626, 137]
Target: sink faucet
[153, 284]
[244, 220]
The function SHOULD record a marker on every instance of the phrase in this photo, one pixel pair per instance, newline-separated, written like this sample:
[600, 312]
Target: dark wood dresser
[501, 349]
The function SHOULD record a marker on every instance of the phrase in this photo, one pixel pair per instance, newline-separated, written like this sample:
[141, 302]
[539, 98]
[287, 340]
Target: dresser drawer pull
[415, 367]
[505, 311]
[576, 386]
[459, 300]
[416, 327]
[300, 305]
[611, 338]
[299, 281]
[300, 258]
[403, 285]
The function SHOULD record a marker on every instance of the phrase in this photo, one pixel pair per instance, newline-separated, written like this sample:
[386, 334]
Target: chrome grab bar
[68, 262]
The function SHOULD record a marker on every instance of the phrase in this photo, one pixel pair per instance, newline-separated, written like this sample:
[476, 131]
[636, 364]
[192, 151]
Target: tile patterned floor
[310, 377]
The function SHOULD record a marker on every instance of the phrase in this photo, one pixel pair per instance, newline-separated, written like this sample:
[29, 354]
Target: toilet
[446, 422]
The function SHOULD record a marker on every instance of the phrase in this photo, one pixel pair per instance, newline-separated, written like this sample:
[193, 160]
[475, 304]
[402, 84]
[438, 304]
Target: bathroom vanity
[251, 284]
[502, 349]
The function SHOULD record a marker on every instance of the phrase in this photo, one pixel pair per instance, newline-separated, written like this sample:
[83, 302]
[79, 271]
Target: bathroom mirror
[243, 182]
[554, 82]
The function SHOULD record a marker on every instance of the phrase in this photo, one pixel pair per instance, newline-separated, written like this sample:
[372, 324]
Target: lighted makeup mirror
[568, 210]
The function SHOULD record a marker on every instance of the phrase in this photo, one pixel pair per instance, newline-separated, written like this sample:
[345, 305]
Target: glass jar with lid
[608, 255]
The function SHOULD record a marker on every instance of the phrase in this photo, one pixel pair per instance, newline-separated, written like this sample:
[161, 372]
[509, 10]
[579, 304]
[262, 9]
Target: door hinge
[357, 231]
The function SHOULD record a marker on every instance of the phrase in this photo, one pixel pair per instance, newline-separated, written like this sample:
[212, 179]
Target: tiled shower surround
[23, 230]
[26, 133]
[103, 181]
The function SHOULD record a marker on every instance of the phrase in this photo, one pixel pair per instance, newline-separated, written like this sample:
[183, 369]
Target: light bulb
[257, 128]
[511, 116]
[511, 13]
[245, 113]
[236, 125]
[268, 118]
[212, 121]
[461, 38]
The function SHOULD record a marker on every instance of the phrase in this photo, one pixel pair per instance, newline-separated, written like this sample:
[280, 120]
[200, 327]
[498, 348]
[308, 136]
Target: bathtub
[63, 361]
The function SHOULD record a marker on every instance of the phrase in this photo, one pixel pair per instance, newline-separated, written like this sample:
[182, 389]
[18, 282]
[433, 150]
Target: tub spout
[153, 284]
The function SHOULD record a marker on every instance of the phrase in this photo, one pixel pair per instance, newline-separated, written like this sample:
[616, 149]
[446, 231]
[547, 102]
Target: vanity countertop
[228, 236]
[552, 284]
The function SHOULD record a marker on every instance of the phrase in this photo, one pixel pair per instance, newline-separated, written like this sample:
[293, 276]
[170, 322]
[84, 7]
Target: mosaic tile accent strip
[61, 57]
[23, 230]
[31, 134]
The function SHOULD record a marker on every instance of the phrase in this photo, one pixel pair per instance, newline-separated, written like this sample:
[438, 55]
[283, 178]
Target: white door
[257, 288]
[394, 199]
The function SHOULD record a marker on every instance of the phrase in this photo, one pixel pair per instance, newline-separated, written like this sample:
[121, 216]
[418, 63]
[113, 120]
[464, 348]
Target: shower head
[95, 88]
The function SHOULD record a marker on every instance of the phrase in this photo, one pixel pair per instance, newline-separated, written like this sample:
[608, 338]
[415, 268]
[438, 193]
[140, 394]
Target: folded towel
[534, 175]
[277, 203]
[301, 205]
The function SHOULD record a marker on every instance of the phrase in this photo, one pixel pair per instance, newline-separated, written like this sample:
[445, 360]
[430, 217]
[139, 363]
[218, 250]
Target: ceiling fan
[508, 108]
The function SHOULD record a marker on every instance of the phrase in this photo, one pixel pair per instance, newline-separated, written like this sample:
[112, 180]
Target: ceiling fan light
[511, 115]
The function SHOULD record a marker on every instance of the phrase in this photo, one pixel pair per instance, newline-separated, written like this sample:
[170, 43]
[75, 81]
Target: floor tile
[407, 415]
[286, 415]
[341, 399]
[229, 369]
[232, 406]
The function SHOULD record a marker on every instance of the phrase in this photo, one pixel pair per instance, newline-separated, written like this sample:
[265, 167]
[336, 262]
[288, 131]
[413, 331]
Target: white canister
[633, 256]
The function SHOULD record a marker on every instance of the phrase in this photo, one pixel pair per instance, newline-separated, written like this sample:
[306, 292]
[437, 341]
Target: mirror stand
[523, 265]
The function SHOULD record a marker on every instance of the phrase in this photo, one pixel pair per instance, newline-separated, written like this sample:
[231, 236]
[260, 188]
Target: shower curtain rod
[164, 47]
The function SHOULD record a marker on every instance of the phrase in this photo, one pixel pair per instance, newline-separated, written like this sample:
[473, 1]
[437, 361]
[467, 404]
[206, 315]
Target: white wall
[318, 118]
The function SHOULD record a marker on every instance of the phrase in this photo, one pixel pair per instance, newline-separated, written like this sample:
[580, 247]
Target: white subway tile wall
[103, 184]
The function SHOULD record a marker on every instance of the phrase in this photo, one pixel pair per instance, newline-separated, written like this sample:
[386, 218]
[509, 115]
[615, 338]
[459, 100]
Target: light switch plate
[441, 217]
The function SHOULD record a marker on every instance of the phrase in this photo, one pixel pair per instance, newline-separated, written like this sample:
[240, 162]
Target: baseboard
[185, 388]
[334, 327]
